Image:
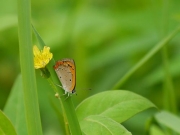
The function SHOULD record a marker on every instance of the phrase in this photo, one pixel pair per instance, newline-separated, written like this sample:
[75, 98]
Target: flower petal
[41, 58]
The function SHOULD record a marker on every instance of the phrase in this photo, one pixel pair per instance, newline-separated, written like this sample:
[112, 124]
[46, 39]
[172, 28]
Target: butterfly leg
[65, 93]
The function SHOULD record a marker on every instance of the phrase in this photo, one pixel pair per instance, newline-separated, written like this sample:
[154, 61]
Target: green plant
[115, 45]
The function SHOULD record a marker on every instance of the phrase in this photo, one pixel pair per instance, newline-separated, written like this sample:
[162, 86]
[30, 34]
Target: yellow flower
[41, 58]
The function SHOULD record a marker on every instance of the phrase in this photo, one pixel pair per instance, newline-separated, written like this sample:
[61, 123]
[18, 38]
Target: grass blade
[27, 68]
[153, 51]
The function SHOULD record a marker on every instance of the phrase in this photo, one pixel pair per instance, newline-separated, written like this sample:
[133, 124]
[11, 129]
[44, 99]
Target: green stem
[169, 92]
[27, 68]
[61, 104]
[154, 50]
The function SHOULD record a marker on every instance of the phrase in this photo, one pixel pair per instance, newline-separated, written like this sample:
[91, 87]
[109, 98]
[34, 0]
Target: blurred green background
[105, 38]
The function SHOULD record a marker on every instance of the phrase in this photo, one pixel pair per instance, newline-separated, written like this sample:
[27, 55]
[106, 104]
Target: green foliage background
[105, 38]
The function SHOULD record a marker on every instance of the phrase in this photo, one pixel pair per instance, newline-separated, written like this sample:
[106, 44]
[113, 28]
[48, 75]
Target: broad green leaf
[14, 107]
[154, 130]
[118, 105]
[99, 125]
[6, 127]
[169, 120]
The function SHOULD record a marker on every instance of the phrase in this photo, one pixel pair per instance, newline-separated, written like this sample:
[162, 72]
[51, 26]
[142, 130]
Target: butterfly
[66, 72]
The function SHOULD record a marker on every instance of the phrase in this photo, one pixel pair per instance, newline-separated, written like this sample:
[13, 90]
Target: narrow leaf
[32, 113]
[169, 120]
[118, 105]
[14, 107]
[6, 127]
[99, 125]
[41, 42]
